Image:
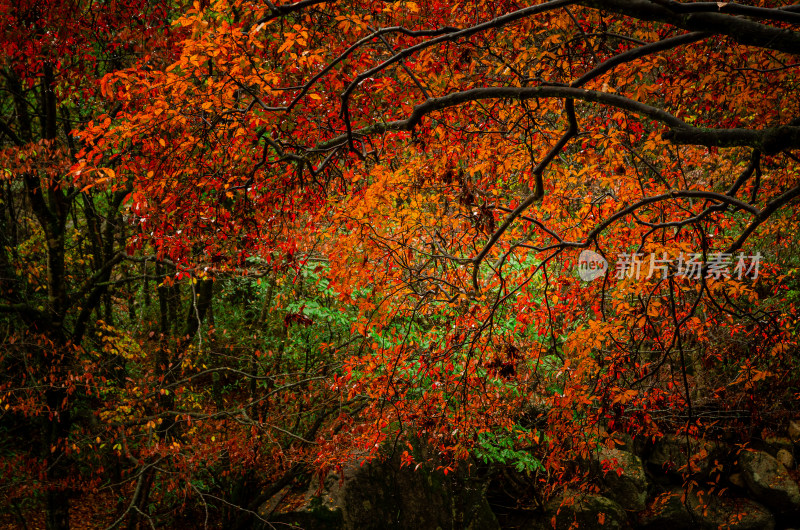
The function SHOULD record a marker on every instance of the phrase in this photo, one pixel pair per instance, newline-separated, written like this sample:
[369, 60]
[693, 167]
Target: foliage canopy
[244, 242]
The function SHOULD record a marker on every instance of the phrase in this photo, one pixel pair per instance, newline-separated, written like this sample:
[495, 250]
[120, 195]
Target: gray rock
[667, 512]
[312, 516]
[623, 478]
[673, 454]
[711, 511]
[776, 443]
[769, 481]
[737, 479]
[675, 510]
[585, 510]
[794, 431]
[623, 441]
[385, 495]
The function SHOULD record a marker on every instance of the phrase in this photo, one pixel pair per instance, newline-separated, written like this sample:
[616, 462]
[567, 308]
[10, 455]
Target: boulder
[674, 509]
[674, 454]
[584, 510]
[712, 512]
[622, 476]
[794, 431]
[623, 441]
[773, 444]
[384, 495]
[313, 516]
[769, 481]
[667, 512]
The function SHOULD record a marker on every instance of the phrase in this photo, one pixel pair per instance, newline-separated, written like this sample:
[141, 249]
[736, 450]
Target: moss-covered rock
[714, 512]
[676, 454]
[675, 509]
[381, 494]
[315, 515]
[667, 511]
[622, 477]
[585, 510]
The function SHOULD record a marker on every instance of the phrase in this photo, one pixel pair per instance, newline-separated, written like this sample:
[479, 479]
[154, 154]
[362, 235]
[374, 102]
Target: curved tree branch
[636, 53]
[740, 30]
[769, 141]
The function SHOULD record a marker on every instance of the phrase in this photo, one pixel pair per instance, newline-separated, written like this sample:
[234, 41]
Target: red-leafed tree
[437, 169]
[60, 245]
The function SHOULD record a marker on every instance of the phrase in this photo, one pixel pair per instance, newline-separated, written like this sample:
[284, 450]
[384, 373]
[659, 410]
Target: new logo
[591, 265]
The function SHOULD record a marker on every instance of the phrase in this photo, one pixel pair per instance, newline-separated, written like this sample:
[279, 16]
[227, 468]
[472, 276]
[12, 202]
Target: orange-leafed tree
[450, 161]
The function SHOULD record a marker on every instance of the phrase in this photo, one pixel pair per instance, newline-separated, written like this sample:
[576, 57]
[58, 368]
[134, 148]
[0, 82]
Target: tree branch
[636, 53]
[769, 141]
[740, 30]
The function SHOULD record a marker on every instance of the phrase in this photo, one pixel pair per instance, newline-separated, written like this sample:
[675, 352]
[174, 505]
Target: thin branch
[637, 53]
[538, 193]
[478, 28]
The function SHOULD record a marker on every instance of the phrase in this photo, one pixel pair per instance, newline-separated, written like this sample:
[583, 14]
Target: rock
[313, 516]
[737, 479]
[769, 481]
[673, 510]
[383, 494]
[673, 454]
[667, 512]
[585, 510]
[623, 441]
[266, 509]
[623, 478]
[711, 511]
[776, 443]
[794, 431]
[786, 458]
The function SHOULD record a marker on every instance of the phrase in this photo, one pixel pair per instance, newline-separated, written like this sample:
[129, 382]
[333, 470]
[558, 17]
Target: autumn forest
[248, 245]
